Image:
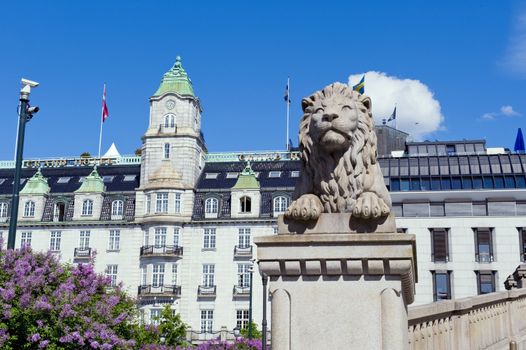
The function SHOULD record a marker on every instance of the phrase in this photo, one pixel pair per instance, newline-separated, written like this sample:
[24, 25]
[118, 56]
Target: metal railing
[169, 290]
[242, 251]
[206, 291]
[484, 258]
[241, 291]
[166, 250]
[82, 253]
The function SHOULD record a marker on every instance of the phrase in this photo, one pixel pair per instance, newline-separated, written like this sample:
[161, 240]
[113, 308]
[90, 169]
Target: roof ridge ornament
[176, 80]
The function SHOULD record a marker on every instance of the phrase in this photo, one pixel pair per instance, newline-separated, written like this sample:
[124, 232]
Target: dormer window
[29, 209]
[245, 204]
[87, 207]
[59, 212]
[166, 151]
[117, 209]
[280, 204]
[274, 174]
[211, 206]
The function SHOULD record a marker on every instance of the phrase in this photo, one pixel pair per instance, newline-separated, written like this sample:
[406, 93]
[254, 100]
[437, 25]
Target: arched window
[166, 150]
[211, 206]
[280, 204]
[29, 209]
[245, 204]
[87, 207]
[169, 121]
[3, 210]
[59, 211]
[117, 208]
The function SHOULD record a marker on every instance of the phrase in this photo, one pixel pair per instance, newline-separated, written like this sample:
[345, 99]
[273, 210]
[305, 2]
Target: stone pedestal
[340, 290]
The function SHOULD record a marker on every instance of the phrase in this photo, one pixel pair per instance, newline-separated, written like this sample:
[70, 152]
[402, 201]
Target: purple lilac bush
[46, 305]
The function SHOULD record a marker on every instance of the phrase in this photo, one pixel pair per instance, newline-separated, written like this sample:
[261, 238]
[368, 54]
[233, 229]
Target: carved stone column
[334, 288]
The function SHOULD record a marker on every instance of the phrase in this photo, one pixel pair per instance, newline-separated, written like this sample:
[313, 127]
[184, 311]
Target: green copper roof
[247, 180]
[176, 80]
[37, 184]
[93, 183]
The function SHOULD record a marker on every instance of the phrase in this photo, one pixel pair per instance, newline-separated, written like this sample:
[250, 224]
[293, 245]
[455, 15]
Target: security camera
[29, 82]
[33, 110]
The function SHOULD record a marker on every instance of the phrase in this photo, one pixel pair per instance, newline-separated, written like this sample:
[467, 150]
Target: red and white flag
[104, 106]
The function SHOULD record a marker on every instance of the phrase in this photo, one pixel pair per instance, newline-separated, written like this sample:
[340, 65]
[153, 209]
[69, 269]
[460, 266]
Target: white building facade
[176, 224]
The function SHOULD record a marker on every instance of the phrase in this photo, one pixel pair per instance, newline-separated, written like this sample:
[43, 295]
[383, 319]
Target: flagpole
[395, 117]
[101, 122]
[287, 147]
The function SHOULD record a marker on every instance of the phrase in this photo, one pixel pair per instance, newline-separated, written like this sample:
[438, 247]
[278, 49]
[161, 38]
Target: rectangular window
[160, 237]
[111, 271]
[243, 275]
[146, 238]
[166, 151]
[241, 318]
[207, 318]
[144, 274]
[25, 239]
[440, 246]
[208, 275]
[84, 239]
[485, 281]
[54, 241]
[522, 237]
[177, 231]
[63, 180]
[274, 174]
[115, 240]
[161, 205]
[158, 275]
[177, 203]
[174, 274]
[128, 178]
[209, 238]
[211, 176]
[231, 175]
[148, 203]
[155, 315]
[295, 173]
[441, 285]
[244, 238]
[484, 245]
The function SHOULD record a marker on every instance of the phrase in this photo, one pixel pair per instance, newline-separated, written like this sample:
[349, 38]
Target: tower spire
[176, 80]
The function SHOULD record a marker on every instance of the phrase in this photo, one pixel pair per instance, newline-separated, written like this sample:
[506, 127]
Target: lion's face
[334, 120]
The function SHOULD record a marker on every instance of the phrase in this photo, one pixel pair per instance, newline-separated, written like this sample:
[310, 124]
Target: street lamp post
[264, 279]
[25, 114]
[250, 303]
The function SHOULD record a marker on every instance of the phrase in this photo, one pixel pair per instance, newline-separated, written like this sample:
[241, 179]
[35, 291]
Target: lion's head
[338, 144]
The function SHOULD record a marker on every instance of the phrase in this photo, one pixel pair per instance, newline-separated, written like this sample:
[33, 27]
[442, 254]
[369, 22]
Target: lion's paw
[369, 205]
[307, 207]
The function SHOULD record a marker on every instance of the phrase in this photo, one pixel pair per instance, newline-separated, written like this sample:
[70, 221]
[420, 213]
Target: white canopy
[112, 152]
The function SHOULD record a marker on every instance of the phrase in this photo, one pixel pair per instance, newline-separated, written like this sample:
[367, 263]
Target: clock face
[170, 104]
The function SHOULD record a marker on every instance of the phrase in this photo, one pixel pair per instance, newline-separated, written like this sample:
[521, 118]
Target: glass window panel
[488, 182]
[467, 184]
[495, 164]
[520, 182]
[523, 160]
[499, 182]
[395, 185]
[442, 286]
[422, 150]
[477, 182]
[479, 147]
[435, 183]
[404, 167]
[384, 166]
[415, 185]
[446, 184]
[474, 165]
[484, 165]
[394, 169]
[470, 148]
[456, 183]
[425, 185]
[413, 166]
[424, 166]
[453, 166]
[441, 150]
[444, 166]
[433, 166]
[461, 149]
[509, 181]
[505, 163]
[404, 184]
[432, 150]
[464, 165]
[515, 164]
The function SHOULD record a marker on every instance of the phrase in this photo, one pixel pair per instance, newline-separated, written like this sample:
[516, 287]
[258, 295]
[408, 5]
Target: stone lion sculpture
[339, 171]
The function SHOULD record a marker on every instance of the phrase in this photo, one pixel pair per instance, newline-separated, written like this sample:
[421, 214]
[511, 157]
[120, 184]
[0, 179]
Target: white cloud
[515, 58]
[488, 116]
[508, 110]
[417, 111]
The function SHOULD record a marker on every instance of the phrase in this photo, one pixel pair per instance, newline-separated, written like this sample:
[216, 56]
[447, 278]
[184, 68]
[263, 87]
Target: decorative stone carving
[340, 172]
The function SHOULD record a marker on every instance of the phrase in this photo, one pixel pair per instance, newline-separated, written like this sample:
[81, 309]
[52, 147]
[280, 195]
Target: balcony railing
[241, 291]
[165, 129]
[163, 290]
[82, 253]
[242, 252]
[206, 292]
[484, 258]
[163, 250]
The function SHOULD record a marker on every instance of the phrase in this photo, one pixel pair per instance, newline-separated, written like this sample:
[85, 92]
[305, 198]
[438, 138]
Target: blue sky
[470, 57]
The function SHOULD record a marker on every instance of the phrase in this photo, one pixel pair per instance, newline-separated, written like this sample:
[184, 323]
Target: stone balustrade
[491, 321]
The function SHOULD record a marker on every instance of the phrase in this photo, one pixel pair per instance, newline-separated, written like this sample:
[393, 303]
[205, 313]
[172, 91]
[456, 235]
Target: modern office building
[176, 224]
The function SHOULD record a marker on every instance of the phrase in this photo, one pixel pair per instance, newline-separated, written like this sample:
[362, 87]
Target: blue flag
[393, 116]
[360, 87]
[519, 142]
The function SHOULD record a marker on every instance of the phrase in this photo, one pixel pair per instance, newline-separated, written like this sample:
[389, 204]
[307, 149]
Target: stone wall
[491, 321]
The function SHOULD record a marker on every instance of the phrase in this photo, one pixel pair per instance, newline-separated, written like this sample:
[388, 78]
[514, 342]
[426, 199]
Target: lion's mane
[338, 179]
